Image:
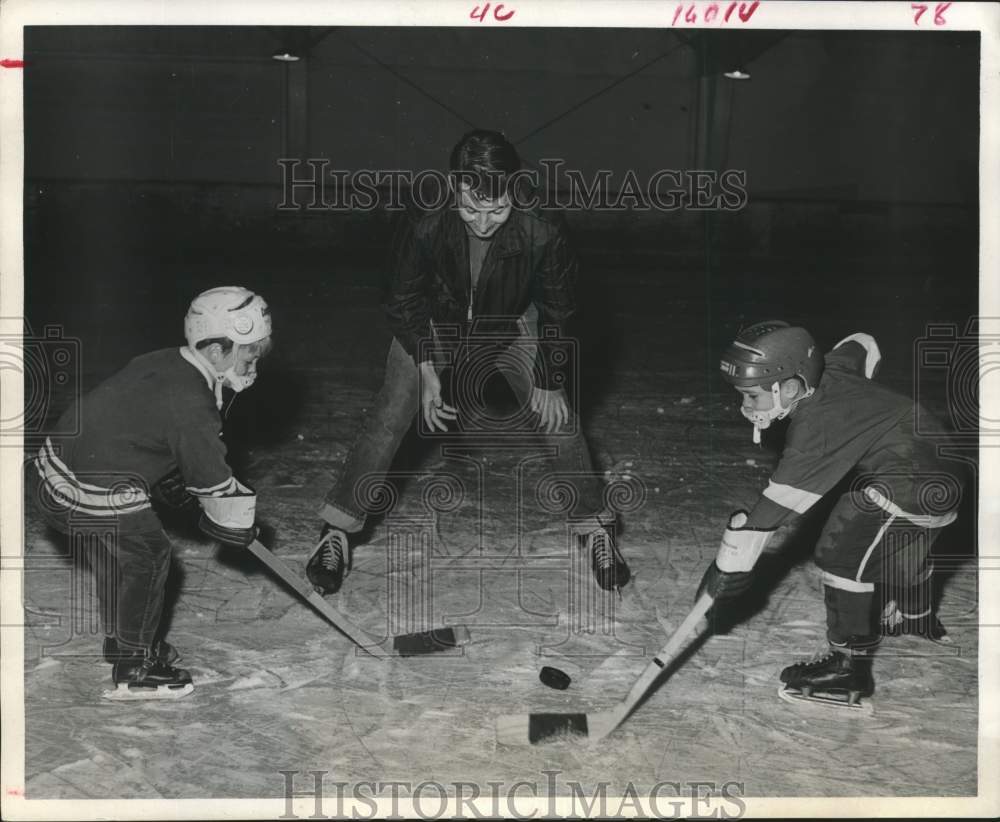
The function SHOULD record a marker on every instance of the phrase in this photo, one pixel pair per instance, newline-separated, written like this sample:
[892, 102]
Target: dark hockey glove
[229, 537]
[722, 585]
[730, 574]
[170, 491]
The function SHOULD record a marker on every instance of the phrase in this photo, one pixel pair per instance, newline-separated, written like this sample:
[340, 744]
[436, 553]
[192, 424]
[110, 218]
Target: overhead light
[285, 57]
[736, 74]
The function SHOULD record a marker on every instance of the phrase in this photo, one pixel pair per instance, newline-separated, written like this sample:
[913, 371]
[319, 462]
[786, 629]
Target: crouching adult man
[478, 270]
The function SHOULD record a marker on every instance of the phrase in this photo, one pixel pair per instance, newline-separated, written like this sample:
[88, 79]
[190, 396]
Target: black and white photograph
[496, 410]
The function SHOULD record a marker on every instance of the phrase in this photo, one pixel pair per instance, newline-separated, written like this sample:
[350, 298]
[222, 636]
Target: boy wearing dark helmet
[881, 528]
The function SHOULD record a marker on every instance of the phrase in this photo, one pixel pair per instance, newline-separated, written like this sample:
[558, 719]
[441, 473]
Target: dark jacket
[155, 417]
[529, 261]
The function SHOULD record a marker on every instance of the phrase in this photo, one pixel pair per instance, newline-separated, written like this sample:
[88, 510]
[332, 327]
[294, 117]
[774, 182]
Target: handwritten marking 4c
[498, 13]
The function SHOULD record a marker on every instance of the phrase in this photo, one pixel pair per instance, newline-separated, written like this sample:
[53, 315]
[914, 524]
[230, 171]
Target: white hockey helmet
[229, 311]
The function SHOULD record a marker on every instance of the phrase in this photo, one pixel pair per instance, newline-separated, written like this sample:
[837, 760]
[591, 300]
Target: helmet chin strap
[237, 382]
[763, 419]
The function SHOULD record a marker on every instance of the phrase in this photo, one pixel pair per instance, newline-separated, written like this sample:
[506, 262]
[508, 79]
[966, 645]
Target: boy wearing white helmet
[153, 430]
[841, 424]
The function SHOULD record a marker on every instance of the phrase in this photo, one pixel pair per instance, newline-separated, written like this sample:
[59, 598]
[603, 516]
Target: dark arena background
[152, 173]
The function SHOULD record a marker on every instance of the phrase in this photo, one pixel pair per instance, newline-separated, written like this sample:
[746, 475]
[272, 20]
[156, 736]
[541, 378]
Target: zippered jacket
[530, 261]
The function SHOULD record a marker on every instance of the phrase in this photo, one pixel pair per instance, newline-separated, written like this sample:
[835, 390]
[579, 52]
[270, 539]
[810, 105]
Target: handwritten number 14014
[713, 13]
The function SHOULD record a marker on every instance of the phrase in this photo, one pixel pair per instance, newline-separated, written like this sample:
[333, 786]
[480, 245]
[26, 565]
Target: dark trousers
[396, 406]
[869, 557]
[130, 570]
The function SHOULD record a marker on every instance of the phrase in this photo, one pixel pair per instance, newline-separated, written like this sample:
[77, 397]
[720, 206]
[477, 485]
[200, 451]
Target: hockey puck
[554, 678]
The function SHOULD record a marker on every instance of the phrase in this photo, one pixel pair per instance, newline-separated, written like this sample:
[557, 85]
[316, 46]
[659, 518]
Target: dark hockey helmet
[770, 351]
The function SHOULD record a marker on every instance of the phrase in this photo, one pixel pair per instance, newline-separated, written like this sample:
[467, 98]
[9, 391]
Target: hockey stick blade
[530, 729]
[430, 642]
[424, 642]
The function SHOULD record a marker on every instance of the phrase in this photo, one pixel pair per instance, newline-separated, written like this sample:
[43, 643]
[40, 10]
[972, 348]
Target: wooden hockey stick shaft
[680, 639]
[358, 636]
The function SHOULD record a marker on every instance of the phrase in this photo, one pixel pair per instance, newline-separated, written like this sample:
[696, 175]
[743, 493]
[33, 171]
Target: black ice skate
[837, 679]
[145, 677]
[327, 567]
[928, 626]
[610, 569]
[162, 650]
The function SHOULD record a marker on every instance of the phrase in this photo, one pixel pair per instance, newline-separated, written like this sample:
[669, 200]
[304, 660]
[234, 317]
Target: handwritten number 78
[939, 10]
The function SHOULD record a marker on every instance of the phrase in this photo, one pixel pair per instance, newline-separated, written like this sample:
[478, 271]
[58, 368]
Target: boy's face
[482, 217]
[756, 398]
[243, 358]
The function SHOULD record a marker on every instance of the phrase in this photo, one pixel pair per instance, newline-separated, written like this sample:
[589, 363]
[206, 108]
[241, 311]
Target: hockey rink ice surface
[277, 688]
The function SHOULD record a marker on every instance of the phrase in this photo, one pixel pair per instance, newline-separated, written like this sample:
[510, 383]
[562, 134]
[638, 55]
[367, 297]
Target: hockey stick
[528, 729]
[422, 642]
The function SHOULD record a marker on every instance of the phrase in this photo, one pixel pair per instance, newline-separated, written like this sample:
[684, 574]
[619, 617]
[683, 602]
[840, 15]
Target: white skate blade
[123, 692]
[827, 704]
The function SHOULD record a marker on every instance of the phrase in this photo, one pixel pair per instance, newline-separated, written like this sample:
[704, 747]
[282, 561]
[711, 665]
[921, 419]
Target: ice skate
[896, 623]
[835, 679]
[145, 677]
[610, 569]
[327, 567]
[162, 650]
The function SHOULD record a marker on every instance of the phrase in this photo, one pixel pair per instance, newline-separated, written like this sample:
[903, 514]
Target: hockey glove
[230, 518]
[730, 574]
[722, 585]
[229, 537]
[171, 492]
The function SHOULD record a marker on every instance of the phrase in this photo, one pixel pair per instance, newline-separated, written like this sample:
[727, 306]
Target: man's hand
[551, 407]
[436, 412]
